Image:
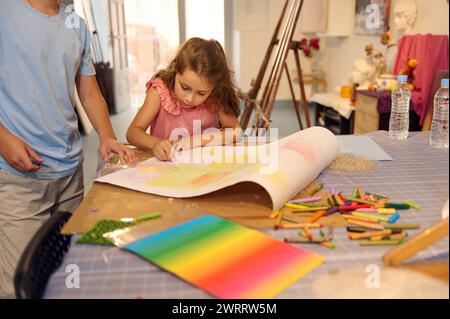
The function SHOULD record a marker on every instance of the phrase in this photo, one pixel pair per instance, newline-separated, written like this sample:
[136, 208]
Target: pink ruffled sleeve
[168, 102]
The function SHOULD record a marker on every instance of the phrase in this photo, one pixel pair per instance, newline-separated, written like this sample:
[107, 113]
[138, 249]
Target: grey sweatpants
[25, 204]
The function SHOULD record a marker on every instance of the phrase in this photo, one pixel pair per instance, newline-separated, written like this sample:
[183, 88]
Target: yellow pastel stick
[386, 211]
[372, 217]
[295, 206]
[370, 234]
[275, 214]
[367, 225]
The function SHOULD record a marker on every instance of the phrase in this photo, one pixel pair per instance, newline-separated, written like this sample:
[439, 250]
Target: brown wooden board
[245, 203]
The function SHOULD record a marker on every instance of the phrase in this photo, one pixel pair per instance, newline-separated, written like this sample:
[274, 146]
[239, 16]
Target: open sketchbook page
[283, 168]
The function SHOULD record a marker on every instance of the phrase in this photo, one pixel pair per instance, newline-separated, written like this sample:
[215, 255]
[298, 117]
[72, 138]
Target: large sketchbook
[282, 168]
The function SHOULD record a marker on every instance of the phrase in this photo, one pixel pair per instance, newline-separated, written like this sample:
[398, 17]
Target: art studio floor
[283, 118]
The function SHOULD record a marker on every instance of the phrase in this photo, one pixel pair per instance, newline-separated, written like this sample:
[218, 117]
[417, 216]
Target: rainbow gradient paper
[225, 259]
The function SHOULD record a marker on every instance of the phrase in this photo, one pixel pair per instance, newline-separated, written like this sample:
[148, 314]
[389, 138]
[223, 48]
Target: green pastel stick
[305, 241]
[147, 217]
[397, 206]
[412, 205]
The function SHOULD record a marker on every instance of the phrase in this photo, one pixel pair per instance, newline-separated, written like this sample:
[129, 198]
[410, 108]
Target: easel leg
[302, 87]
[294, 100]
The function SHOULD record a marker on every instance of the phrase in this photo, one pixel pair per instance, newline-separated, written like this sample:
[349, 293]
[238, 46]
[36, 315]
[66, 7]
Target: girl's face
[191, 89]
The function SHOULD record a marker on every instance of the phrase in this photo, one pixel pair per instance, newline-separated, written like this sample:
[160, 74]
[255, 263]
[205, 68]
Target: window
[205, 19]
[153, 39]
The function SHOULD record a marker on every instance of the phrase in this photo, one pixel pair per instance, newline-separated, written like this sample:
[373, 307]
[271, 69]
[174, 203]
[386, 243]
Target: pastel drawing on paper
[282, 168]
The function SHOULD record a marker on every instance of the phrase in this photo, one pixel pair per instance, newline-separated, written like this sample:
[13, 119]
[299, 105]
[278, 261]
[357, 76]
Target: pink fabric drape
[431, 52]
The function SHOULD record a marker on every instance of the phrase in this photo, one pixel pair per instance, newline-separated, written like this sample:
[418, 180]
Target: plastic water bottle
[399, 121]
[439, 126]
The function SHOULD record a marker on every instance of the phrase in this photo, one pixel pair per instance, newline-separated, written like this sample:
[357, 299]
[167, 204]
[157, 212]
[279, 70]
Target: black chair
[42, 256]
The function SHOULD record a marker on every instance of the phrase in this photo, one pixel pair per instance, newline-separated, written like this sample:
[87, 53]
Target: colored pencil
[370, 234]
[384, 242]
[367, 225]
[306, 200]
[317, 217]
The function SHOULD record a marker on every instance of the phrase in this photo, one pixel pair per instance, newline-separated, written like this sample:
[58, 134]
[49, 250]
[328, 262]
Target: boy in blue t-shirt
[44, 55]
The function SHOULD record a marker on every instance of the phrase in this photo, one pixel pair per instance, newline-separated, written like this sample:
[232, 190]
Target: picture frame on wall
[372, 16]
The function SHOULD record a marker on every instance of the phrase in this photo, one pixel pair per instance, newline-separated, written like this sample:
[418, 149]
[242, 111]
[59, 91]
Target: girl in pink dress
[193, 99]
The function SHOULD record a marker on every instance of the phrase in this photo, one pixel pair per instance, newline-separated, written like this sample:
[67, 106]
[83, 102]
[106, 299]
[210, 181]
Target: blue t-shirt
[40, 57]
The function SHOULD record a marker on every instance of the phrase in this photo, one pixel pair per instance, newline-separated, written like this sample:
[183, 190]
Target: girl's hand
[109, 146]
[162, 150]
[19, 154]
[184, 143]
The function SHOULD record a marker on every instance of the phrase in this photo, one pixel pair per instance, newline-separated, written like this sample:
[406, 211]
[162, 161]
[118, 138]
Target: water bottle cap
[444, 83]
[402, 78]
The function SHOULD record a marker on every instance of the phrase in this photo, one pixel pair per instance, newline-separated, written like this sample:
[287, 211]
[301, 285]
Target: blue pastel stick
[394, 218]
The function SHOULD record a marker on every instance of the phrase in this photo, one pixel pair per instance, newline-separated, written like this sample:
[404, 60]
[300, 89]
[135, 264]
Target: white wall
[340, 53]
[196, 19]
[251, 46]
[337, 53]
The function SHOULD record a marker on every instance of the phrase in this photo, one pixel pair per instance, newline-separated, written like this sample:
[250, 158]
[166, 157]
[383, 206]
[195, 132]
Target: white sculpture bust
[405, 16]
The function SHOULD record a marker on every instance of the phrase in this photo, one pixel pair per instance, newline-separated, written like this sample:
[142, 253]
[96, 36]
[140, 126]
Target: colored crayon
[305, 241]
[308, 233]
[397, 206]
[360, 193]
[361, 219]
[310, 209]
[297, 226]
[355, 229]
[275, 214]
[306, 200]
[371, 234]
[361, 201]
[404, 226]
[317, 217]
[380, 196]
[372, 217]
[386, 210]
[401, 235]
[338, 200]
[331, 201]
[383, 242]
[394, 218]
[328, 244]
[295, 206]
[412, 205]
[353, 207]
[331, 211]
[364, 224]
[366, 210]
[278, 220]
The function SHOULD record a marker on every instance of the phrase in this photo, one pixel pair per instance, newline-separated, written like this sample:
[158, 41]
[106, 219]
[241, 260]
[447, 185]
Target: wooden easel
[429, 236]
[283, 44]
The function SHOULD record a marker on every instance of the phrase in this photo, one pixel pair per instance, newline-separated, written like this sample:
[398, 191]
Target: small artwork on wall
[372, 16]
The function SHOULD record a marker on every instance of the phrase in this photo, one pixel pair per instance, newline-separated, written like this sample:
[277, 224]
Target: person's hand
[187, 143]
[19, 154]
[162, 150]
[109, 146]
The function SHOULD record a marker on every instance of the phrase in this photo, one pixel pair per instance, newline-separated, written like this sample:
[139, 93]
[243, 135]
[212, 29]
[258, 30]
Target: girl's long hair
[207, 59]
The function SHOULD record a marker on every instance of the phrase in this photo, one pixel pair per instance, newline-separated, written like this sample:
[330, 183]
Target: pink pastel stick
[306, 200]
[367, 210]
